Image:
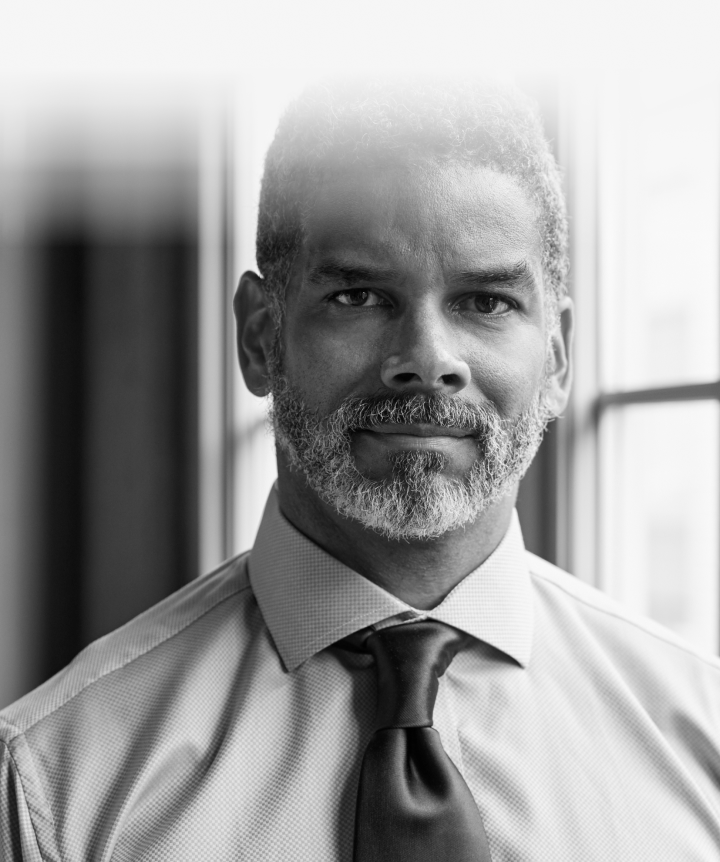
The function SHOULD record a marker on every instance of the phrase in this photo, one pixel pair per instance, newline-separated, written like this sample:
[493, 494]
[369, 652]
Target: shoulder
[203, 609]
[145, 703]
[622, 633]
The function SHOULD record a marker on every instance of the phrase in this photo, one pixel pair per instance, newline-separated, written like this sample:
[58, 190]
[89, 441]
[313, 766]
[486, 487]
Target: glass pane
[660, 514]
[659, 229]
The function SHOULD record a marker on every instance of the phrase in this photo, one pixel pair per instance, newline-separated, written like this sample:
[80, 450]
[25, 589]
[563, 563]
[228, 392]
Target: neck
[420, 572]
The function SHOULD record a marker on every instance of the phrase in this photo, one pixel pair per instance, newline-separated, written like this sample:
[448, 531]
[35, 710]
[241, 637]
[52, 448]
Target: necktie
[413, 805]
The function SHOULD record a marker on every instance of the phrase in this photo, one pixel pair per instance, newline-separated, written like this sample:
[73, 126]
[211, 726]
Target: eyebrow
[519, 275]
[350, 274]
[334, 272]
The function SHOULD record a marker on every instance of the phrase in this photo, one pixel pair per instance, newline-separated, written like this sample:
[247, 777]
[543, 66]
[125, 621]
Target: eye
[358, 298]
[486, 303]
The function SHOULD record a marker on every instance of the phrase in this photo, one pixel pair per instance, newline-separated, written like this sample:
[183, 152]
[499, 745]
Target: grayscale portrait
[359, 475]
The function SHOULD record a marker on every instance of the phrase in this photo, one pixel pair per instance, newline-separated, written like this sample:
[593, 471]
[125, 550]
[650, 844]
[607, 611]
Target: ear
[561, 370]
[255, 332]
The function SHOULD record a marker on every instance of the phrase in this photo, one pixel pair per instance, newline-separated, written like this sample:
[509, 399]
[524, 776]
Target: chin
[420, 501]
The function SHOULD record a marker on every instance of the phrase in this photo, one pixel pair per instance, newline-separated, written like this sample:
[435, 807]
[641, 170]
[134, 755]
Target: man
[388, 675]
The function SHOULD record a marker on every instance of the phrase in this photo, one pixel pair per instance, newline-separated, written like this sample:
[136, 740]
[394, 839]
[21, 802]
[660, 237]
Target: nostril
[432, 371]
[406, 377]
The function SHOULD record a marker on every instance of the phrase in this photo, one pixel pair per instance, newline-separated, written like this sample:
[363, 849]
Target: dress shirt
[226, 724]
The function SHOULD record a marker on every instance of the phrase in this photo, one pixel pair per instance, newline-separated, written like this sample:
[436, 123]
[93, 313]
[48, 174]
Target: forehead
[453, 215]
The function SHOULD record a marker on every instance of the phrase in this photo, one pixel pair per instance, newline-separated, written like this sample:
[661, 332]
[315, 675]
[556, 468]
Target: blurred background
[131, 457]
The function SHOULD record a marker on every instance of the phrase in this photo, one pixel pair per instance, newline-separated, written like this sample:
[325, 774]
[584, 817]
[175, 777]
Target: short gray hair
[332, 126]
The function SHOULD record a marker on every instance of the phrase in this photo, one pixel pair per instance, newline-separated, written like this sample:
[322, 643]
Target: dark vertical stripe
[119, 431]
[63, 288]
[141, 537]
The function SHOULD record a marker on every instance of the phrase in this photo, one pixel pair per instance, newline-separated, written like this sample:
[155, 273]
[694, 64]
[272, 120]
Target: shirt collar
[310, 600]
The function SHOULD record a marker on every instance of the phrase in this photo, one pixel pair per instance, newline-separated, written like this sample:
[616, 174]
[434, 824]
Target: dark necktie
[413, 805]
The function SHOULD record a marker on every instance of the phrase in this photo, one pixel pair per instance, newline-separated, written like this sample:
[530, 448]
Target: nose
[425, 361]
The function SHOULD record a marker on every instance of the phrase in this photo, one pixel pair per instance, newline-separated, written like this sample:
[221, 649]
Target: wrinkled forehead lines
[446, 211]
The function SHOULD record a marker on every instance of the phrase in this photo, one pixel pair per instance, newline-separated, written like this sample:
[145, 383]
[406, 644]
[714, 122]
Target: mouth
[419, 430]
[387, 438]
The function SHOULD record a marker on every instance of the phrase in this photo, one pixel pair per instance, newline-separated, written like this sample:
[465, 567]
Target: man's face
[413, 386]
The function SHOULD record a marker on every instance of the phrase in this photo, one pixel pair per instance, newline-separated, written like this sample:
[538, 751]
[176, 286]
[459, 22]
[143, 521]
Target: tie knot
[409, 659]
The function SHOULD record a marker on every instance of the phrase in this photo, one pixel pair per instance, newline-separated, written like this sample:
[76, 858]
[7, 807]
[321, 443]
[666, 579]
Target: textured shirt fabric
[226, 724]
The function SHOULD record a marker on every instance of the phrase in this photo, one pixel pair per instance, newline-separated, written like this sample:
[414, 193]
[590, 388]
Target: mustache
[356, 414]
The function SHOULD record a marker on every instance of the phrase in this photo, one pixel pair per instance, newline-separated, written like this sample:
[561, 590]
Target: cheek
[510, 376]
[328, 367]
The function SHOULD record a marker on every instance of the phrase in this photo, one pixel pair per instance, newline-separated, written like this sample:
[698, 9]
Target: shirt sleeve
[18, 834]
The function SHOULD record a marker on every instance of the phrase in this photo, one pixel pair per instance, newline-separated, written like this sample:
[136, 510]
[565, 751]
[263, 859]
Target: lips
[420, 430]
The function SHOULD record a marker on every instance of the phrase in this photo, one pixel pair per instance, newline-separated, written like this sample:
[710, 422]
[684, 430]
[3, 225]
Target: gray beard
[418, 501]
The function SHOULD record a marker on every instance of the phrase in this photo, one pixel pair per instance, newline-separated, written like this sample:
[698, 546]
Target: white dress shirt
[223, 724]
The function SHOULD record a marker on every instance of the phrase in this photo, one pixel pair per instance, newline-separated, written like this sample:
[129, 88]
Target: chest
[558, 772]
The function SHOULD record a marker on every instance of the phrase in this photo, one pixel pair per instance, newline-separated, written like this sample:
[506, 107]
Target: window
[643, 465]
[237, 453]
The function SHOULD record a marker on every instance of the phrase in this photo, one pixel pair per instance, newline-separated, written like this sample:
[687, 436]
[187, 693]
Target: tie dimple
[409, 660]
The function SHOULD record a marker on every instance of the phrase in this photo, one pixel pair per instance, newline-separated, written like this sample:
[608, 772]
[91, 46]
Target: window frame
[579, 516]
